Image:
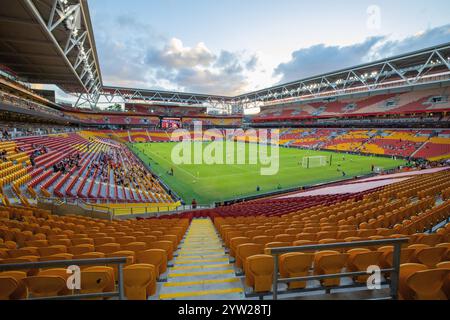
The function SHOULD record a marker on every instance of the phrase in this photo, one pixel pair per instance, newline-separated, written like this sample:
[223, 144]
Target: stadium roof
[50, 42]
[423, 67]
[163, 96]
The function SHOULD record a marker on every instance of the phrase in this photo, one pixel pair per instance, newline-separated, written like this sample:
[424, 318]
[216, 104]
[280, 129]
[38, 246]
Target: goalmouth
[314, 162]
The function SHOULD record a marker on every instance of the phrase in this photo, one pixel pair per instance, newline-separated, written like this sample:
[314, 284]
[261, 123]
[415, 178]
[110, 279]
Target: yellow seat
[164, 245]
[300, 243]
[293, 265]
[78, 241]
[306, 236]
[156, 234]
[246, 250]
[329, 262]
[262, 240]
[8, 285]
[328, 241]
[4, 253]
[103, 240]
[37, 243]
[62, 242]
[406, 271]
[446, 256]
[446, 286]
[429, 256]
[45, 286]
[87, 256]
[108, 248]
[129, 255]
[80, 249]
[236, 242]
[125, 240]
[172, 238]
[49, 251]
[156, 257]
[111, 284]
[429, 239]
[387, 254]
[148, 239]
[134, 246]
[427, 284]
[285, 238]
[277, 245]
[25, 251]
[326, 235]
[24, 259]
[95, 281]
[139, 281]
[230, 235]
[360, 260]
[21, 292]
[57, 272]
[259, 272]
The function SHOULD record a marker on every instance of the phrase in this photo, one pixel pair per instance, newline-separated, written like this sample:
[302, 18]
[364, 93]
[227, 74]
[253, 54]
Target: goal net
[378, 169]
[314, 162]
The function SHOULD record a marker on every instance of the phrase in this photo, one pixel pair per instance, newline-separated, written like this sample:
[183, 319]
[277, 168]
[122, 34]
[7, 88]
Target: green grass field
[211, 183]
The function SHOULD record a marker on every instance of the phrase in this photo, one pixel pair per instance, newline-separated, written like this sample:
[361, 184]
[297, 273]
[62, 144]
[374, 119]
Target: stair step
[202, 269]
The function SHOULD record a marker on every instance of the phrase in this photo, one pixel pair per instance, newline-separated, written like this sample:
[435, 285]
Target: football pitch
[220, 182]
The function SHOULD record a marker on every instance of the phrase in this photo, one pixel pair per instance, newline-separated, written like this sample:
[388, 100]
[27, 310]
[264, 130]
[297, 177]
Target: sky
[229, 47]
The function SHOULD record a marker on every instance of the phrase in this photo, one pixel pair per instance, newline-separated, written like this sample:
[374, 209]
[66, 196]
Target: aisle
[202, 271]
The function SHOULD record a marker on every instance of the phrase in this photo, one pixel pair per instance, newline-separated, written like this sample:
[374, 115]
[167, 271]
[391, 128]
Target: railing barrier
[394, 271]
[120, 261]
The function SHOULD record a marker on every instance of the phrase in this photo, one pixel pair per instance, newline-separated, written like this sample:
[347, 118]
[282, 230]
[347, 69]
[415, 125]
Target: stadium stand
[423, 101]
[69, 165]
[73, 192]
[425, 144]
[390, 212]
[35, 235]
[416, 209]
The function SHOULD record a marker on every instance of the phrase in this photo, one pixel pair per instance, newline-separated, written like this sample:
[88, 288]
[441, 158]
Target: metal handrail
[394, 271]
[120, 261]
[113, 212]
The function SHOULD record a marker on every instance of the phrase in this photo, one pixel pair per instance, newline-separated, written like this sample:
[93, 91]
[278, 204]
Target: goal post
[314, 162]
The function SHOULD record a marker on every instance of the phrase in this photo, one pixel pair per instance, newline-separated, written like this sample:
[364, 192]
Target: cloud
[198, 69]
[133, 54]
[252, 63]
[176, 55]
[121, 55]
[321, 59]
[420, 40]
[210, 81]
[139, 57]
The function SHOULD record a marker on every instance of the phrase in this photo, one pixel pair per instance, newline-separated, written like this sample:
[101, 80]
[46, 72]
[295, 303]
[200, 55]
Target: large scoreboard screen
[171, 123]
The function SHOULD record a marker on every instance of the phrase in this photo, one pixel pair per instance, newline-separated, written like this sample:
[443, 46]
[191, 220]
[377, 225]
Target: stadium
[338, 188]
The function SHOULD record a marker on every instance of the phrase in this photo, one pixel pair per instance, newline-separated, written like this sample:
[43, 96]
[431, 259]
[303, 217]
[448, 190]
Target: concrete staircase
[202, 270]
